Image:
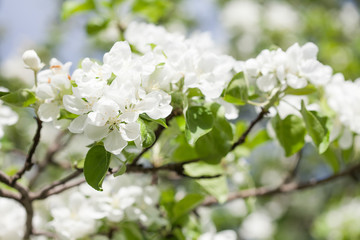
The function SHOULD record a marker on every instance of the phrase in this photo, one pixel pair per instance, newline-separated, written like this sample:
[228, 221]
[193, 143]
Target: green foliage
[237, 90]
[96, 25]
[316, 128]
[159, 121]
[216, 187]
[290, 133]
[70, 8]
[96, 165]
[152, 10]
[199, 121]
[217, 143]
[185, 205]
[19, 98]
[302, 91]
[147, 134]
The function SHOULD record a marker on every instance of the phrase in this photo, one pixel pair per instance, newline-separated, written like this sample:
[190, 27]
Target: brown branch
[48, 190]
[28, 162]
[7, 194]
[49, 157]
[242, 139]
[284, 188]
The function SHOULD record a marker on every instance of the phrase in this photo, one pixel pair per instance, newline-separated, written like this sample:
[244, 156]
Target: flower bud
[32, 60]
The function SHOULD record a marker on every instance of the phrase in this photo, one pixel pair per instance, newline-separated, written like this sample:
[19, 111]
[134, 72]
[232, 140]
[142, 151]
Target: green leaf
[217, 143]
[19, 98]
[199, 121]
[185, 205]
[237, 90]
[96, 165]
[96, 25]
[160, 121]
[290, 133]
[216, 187]
[316, 128]
[121, 171]
[70, 8]
[147, 134]
[4, 93]
[64, 114]
[183, 151]
[153, 10]
[332, 159]
[302, 91]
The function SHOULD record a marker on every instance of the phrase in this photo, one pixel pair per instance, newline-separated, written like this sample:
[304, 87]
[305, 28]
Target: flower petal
[114, 142]
[48, 112]
[78, 124]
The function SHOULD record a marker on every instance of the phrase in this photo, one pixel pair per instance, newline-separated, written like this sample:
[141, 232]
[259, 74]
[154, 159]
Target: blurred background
[242, 28]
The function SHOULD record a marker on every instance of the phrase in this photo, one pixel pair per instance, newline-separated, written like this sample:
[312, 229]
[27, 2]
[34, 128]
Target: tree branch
[49, 157]
[284, 188]
[242, 139]
[48, 190]
[28, 162]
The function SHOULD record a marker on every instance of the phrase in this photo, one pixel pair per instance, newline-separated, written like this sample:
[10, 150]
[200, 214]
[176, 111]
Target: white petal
[78, 124]
[45, 91]
[310, 50]
[296, 82]
[97, 119]
[75, 105]
[266, 83]
[48, 112]
[61, 123]
[130, 131]
[114, 142]
[160, 112]
[96, 133]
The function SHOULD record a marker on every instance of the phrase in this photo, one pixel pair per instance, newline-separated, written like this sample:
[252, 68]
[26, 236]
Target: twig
[28, 162]
[7, 194]
[49, 157]
[158, 132]
[248, 130]
[291, 175]
[47, 191]
[284, 188]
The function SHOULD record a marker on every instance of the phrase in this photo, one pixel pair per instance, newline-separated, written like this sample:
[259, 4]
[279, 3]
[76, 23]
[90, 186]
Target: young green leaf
[186, 204]
[316, 128]
[160, 121]
[20, 98]
[147, 134]
[302, 91]
[290, 133]
[96, 165]
[216, 187]
[70, 8]
[237, 90]
[217, 143]
[199, 121]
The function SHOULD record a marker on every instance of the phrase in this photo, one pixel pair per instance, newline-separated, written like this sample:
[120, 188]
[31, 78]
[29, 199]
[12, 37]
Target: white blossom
[12, 221]
[32, 60]
[294, 68]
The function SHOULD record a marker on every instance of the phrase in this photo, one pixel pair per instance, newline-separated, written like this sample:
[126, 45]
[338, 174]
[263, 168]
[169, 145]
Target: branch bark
[28, 162]
[284, 188]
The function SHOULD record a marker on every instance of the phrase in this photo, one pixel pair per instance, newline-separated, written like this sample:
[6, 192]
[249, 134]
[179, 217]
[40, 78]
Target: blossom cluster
[108, 98]
[81, 211]
[296, 68]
